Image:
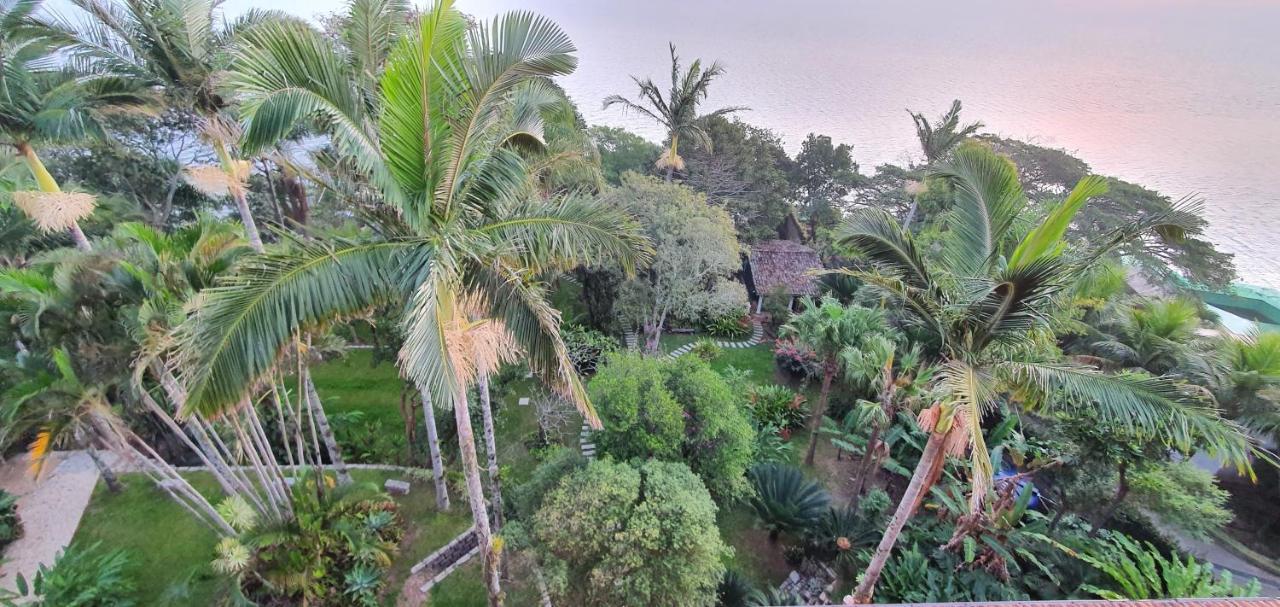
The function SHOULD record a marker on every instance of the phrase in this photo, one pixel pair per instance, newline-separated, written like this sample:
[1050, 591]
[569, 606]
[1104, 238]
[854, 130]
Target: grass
[352, 383]
[167, 547]
[754, 556]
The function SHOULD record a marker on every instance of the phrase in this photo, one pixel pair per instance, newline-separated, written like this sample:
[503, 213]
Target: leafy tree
[785, 501]
[695, 257]
[832, 331]
[988, 313]
[622, 151]
[462, 248]
[675, 411]
[939, 138]
[677, 112]
[822, 175]
[615, 534]
[744, 170]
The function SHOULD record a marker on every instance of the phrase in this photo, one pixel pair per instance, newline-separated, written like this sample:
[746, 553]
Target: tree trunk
[322, 425]
[864, 468]
[911, 215]
[475, 495]
[250, 226]
[1121, 493]
[828, 374]
[108, 475]
[433, 445]
[652, 338]
[670, 170]
[47, 184]
[491, 448]
[921, 481]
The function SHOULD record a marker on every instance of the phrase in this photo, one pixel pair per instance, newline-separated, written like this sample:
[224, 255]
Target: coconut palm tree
[178, 46]
[939, 138]
[985, 300]
[455, 104]
[43, 102]
[677, 112]
[831, 330]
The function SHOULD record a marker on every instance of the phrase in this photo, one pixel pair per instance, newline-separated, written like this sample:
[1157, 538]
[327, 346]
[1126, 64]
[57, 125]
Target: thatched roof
[786, 264]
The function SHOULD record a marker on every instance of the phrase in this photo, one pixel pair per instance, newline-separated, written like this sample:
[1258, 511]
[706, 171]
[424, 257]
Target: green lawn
[351, 383]
[753, 555]
[167, 545]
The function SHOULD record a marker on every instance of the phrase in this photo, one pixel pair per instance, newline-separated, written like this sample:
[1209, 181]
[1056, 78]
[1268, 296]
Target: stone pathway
[757, 335]
[50, 509]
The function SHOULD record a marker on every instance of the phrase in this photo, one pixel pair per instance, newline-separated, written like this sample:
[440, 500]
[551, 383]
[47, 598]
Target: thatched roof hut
[783, 265]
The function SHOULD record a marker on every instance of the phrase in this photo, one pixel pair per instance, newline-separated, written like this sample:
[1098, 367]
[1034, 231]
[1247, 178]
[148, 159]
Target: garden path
[50, 509]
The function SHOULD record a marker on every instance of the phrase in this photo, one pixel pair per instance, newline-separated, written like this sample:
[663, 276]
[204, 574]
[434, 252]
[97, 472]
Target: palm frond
[239, 329]
[988, 197]
[1047, 238]
[563, 232]
[1153, 407]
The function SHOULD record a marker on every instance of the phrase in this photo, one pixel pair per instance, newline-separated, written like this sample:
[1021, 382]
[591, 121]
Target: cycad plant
[44, 102]
[785, 501]
[985, 298]
[677, 112]
[461, 249]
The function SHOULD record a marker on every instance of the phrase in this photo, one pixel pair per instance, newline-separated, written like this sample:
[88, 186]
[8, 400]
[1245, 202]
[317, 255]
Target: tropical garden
[319, 299]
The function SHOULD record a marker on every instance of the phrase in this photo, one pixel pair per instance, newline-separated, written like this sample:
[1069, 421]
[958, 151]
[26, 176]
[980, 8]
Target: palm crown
[677, 112]
[442, 149]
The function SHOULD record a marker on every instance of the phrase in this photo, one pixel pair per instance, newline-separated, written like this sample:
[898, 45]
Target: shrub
[730, 326]
[587, 347]
[655, 521]
[335, 551]
[1139, 571]
[794, 358]
[735, 590]
[367, 441]
[81, 576]
[777, 304]
[674, 410]
[785, 501]
[10, 526]
[776, 406]
[841, 533]
[706, 350]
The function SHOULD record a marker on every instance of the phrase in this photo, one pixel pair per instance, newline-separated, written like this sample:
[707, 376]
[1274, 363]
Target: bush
[655, 522]
[81, 576]
[367, 441]
[335, 551]
[706, 350]
[785, 501]
[674, 410]
[776, 406]
[777, 304]
[1140, 571]
[587, 347]
[10, 526]
[731, 326]
[795, 359]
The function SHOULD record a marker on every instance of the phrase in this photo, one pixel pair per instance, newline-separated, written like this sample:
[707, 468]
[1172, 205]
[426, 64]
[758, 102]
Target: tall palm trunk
[921, 481]
[475, 496]
[433, 445]
[815, 422]
[108, 475]
[491, 448]
[49, 185]
[322, 425]
[242, 202]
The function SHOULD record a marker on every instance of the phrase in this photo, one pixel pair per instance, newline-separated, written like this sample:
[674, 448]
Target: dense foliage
[617, 534]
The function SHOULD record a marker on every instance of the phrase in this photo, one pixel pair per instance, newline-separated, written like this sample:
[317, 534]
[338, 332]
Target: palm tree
[180, 47]
[45, 103]
[678, 111]
[453, 100]
[1156, 336]
[985, 300]
[938, 139]
[831, 330]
